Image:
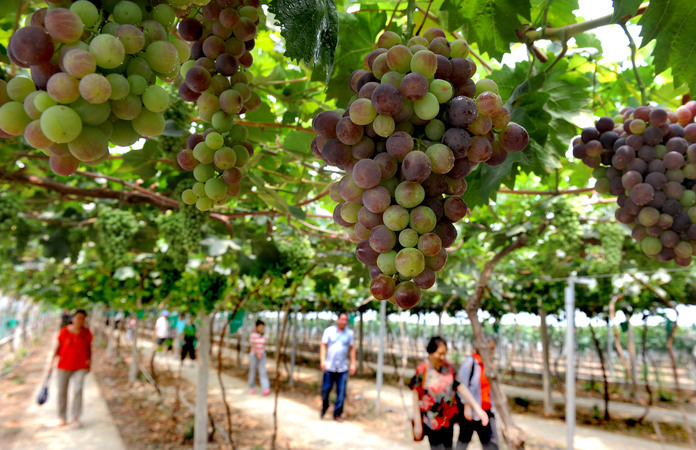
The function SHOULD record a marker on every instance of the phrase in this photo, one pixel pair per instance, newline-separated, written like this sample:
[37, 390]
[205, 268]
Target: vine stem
[551, 192]
[568, 31]
[391, 18]
[639, 80]
[410, 23]
[271, 83]
[273, 125]
[425, 17]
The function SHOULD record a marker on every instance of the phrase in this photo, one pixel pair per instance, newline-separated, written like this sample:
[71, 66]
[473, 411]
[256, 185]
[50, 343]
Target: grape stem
[272, 125]
[391, 18]
[639, 79]
[275, 82]
[551, 192]
[425, 17]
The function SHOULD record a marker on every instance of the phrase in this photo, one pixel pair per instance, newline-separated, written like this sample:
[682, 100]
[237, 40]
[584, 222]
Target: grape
[441, 157]
[383, 125]
[86, 11]
[162, 56]
[90, 145]
[63, 88]
[409, 262]
[107, 50]
[149, 123]
[416, 166]
[63, 165]
[424, 62]
[376, 199]
[78, 63]
[396, 217]
[366, 254]
[399, 144]
[382, 239]
[414, 86]
[127, 108]
[349, 190]
[60, 124]
[427, 107]
[409, 194]
[132, 38]
[407, 295]
[461, 111]
[386, 262]
[386, 100]
[514, 138]
[95, 88]
[422, 219]
[367, 218]
[127, 12]
[155, 98]
[31, 45]
[362, 112]
[383, 287]
[367, 173]
[387, 163]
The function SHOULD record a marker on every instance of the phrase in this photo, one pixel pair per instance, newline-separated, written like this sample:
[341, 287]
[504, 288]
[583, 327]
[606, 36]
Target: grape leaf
[560, 12]
[491, 24]
[623, 8]
[672, 24]
[310, 29]
[298, 141]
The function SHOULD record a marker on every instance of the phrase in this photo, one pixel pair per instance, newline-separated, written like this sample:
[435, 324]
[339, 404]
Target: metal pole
[293, 324]
[200, 430]
[570, 363]
[380, 356]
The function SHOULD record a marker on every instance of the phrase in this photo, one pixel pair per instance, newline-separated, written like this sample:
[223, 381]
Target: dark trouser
[339, 379]
[440, 439]
[188, 348]
[488, 435]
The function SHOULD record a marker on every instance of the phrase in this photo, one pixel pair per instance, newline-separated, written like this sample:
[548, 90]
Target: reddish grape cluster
[415, 128]
[93, 79]
[646, 156]
[215, 78]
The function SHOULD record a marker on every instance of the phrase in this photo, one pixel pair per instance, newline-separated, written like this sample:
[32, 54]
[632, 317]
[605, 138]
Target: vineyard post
[200, 430]
[570, 366]
[380, 355]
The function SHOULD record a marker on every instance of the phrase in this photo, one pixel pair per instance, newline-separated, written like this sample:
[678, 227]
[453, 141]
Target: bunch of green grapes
[566, 221]
[180, 116]
[93, 78]
[182, 231]
[115, 230]
[296, 255]
[612, 237]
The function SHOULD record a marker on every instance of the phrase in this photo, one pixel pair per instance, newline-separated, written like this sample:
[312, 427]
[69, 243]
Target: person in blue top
[336, 348]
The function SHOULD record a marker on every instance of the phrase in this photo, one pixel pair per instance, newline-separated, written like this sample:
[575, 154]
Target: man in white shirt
[336, 346]
[163, 332]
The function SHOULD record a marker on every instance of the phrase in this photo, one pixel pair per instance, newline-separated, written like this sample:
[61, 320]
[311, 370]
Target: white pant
[258, 363]
[78, 377]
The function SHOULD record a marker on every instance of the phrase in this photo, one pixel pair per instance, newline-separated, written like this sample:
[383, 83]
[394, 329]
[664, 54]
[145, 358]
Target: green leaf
[623, 8]
[560, 12]
[299, 141]
[491, 24]
[310, 29]
[672, 24]
[9, 7]
[297, 212]
[142, 162]
[268, 196]
[590, 40]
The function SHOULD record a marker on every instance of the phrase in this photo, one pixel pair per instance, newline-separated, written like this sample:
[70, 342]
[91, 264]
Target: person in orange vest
[472, 374]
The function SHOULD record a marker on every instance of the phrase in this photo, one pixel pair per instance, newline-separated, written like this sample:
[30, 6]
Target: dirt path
[37, 425]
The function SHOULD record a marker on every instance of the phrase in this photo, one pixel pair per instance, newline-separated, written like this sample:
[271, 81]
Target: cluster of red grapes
[646, 156]
[415, 128]
[223, 35]
[93, 79]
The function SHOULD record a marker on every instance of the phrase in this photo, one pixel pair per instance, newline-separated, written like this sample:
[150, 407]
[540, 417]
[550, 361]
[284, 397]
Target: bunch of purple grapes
[223, 36]
[646, 156]
[93, 79]
[415, 128]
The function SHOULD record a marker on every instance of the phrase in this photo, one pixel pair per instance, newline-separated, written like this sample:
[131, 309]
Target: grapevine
[646, 156]
[415, 128]
[215, 78]
[566, 221]
[182, 231]
[115, 230]
[93, 79]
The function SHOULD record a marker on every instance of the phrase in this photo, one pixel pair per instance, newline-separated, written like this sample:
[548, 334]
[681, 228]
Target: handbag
[43, 393]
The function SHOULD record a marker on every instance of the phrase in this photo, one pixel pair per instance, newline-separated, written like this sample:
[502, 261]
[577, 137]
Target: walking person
[257, 359]
[188, 340]
[74, 353]
[434, 388]
[336, 347]
[163, 332]
[472, 374]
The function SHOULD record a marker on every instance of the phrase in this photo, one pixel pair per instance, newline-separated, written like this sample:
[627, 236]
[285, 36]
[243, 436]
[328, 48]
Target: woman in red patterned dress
[434, 388]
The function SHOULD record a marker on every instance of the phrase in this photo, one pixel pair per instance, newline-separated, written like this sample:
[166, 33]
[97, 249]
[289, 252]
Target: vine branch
[639, 79]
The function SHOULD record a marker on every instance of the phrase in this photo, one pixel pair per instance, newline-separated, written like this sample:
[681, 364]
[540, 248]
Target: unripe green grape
[107, 51]
[162, 56]
[434, 130]
[242, 155]
[164, 14]
[91, 114]
[203, 153]
[214, 140]
[380, 66]
[386, 262]
[149, 123]
[442, 89]
[349, 212]
[198, 188]
[43, 101]
[137, 84]
[225, 158]
[396, 218]
[408, 238]
[19, 87]
[120, 88]
[238, 133]
[426, 108]
[127, 12]
[392, 78]
[216, 189]
[204, 204]
[203, 172]
[486, 84]
[59, 123]
[459, 48]
[156, 99]
[399, 58]
[182, 48]
[222, 121]
[86, 11]
[383, 125]
[362, 112]
[425, 63]
[123, 133]
[388, 39]
[185, 67]
[409, 262]
[637, 126]
[189, 197]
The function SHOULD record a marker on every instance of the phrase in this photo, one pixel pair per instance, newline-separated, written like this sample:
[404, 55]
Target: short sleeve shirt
[436, 394]
[338, 344]
[75, 349]
[258, 342]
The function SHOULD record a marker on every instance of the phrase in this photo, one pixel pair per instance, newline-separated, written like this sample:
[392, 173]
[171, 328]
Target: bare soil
[18, 385]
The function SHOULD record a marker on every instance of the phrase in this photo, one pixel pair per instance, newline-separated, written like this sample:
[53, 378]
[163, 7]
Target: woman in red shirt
[74, 353]
[434, 388]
